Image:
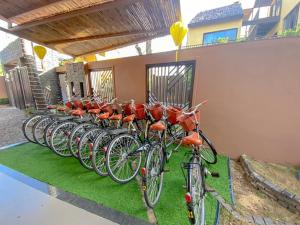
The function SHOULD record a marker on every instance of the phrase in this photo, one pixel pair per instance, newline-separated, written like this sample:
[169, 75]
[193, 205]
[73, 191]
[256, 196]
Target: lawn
[67, 174]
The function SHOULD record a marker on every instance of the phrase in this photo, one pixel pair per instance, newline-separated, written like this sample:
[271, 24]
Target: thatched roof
[88, 26]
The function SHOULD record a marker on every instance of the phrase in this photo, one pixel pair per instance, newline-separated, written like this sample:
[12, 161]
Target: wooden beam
[100, 7]
[112, 47]
[102, 36]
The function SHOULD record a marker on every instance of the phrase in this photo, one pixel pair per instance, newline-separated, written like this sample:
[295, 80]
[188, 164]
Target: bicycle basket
[78, 104]
[127, 109]
[156, 112]
[108, 109]
[173, 113]
[88, 105]
[69, 105]
[140, 111]
[188, 122]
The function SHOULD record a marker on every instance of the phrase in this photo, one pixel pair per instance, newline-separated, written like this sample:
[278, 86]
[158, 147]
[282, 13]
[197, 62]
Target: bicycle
[158, 156]
[124, 153]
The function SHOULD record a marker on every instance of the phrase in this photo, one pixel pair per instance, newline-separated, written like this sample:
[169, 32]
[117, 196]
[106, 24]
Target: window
[81, 90]
[72, 88]
[290, 21]
[213, 37]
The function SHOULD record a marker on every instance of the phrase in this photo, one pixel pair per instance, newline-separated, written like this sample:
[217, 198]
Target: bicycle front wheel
[60, 137]
[154, 175]
[39, 130]
[196, 191]
[207, 150]
[85, 147]
[27, 127]
[123, 160]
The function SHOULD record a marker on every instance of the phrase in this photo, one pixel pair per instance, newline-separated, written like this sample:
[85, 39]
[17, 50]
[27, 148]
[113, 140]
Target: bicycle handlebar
[195, 108]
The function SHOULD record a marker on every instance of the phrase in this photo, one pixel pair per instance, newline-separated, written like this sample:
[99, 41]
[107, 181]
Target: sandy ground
[250, 201]
[11, 125]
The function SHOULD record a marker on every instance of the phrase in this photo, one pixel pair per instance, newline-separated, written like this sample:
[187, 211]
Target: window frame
[235, 29]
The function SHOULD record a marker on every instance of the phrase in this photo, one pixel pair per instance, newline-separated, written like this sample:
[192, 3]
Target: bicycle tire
[110, 151]
[27, 127]
[153, 168]
[76, 133]
[86, 147]
[207, 150]
[63, 131]
[48, 131]
[99, 153]
[196, 190]
[39, 129]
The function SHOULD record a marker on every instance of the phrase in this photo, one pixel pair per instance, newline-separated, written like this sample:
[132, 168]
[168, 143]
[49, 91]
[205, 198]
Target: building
[270, 18]
[211, 26]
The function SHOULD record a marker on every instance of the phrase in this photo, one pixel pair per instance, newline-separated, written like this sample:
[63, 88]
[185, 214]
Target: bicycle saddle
[192, 139]
[128, 119]
[158, 126]
[103, 116]
[94, 111]
[116, 117]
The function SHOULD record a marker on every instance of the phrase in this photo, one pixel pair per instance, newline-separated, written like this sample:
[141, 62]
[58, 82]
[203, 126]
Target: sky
[189, 8]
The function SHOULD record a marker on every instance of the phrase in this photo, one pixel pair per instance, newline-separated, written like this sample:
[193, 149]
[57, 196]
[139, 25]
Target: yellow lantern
[178, 31]
[90, 58]
[40, 51]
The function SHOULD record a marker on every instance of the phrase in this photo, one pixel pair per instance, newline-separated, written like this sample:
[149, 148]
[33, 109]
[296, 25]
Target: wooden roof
[88, 26]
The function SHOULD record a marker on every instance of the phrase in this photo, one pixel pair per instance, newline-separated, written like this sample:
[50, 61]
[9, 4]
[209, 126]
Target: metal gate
[102, 82]
[20, 91]
[171, 83]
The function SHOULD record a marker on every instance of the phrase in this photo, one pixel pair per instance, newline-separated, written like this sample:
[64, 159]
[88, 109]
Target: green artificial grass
[67, 174]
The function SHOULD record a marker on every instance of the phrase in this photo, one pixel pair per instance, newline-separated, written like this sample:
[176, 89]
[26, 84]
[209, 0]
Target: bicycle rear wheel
[196, 191]
[39, 130]
[154, 175]
[75, 135]
[122, 161]
[86, 147]
[207, 150]
[60, 137]
[27, 127]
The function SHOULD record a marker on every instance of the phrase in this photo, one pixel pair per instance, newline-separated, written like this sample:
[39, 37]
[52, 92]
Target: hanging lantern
[40, 51]
[178, 31]
[90, 58]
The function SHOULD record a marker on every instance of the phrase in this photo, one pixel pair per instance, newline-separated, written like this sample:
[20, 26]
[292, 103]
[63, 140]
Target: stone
[259, 220]
[268, 221]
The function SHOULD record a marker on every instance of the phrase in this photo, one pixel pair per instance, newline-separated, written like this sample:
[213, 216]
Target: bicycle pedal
[215, 174]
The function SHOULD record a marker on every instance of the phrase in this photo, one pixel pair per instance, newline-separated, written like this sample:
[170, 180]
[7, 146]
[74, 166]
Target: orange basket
[127, 109]
[108, 109]
[88, 105]
[78, 104]
[156, 112]
[188, 123]
[140, 111]
[69, 105]
[173, 113]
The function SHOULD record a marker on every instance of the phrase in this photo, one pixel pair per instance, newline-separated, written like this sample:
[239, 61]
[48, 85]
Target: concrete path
[22, 204]
[11, 125]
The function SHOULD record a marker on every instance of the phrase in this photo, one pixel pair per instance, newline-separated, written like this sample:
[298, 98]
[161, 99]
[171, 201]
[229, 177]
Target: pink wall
[253, 90]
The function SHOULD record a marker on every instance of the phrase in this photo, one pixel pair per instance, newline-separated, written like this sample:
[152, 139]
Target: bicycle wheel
[60, 137]
[99, 153]
[196, 192]
[154, 175]
[207, 150]
[86, 147]
[75, 135]
[122, 160]
[39, 130]
[48, 131]
[28, 125]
